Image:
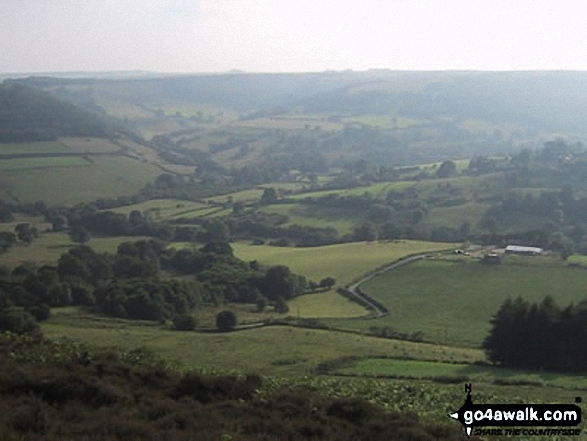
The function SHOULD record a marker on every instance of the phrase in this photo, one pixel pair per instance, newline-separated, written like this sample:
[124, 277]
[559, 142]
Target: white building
[529, 251]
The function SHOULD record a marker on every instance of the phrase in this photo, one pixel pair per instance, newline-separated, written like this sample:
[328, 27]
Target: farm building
[528, 251]
[492, 258]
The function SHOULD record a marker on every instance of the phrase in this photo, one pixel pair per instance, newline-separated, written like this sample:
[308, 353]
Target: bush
[261, 304]
[184, 322]
[281, 306]
[17, 320]
[225, 321]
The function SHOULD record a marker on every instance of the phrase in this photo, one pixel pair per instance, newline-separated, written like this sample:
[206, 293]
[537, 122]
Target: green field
[453, 301]
[161, 209]
[454, 217]
[48, 247]
[324, 305]
[384, 121]
[378, 191]
[260, 350]
[32, 163]
[32, 148]
[385, 367]
[344, 262]
[250, 195]
[107, 177]
[319, 217]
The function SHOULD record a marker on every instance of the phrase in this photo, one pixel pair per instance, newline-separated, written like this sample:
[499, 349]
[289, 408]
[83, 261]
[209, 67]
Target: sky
[290, 35]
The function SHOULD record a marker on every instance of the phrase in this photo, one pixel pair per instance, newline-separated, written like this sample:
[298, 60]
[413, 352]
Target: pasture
[250, 195]
[106, 177]
[384, 121]
[318, 217]
[378, 191]
[324, 305]
[16, 164]
[453, 217]
[452, 301]
[418, 369]
[344, 262]
[162, 209]
[89, 145]
[32, 148]
[273, 350]
[48, 247]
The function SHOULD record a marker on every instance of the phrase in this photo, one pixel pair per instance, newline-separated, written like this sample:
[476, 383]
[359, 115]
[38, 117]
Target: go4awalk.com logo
[514, 419]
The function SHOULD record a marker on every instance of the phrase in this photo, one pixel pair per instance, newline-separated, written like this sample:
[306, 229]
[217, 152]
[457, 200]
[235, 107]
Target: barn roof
[521, 249]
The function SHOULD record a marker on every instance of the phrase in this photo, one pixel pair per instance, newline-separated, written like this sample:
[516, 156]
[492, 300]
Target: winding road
[379, 309]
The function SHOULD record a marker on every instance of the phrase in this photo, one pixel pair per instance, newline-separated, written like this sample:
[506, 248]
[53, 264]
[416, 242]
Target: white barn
[529, 251]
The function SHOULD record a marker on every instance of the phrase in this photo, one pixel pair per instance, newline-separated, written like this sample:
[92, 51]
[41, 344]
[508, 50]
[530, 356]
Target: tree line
[539, 335]
[135, 283]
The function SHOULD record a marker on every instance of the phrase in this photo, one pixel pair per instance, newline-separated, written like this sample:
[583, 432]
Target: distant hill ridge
[551, 100]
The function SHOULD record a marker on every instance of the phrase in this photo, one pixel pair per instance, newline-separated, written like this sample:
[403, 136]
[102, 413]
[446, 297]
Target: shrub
[17, 320]
[225, 321]
[184, 322]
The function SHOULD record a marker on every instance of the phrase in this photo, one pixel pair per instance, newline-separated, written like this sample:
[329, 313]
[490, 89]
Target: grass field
[319, 217]
[453, 301]
[107, 177]
[32, 148]
[48, 247]
[32, 163]
[577, 259]
[161, 209]
[89, 145]
[276, 350]
[324, 305]
[250, 195]
[454, 217]
[378, 190]
[384, 121]
[381, 367]
[291, 123]
[344, 262]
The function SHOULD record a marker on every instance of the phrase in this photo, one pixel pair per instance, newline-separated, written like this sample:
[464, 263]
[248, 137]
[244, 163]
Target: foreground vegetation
[54, 391]
[260, 350]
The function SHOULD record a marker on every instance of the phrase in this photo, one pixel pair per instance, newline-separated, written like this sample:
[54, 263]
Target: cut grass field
[162, 209]
[344, 262]
[107, 177]
[250, 195]
[48, 247]
[384, 121]
[342, 220]
[379, 190]
[454, 217]
[89, 145]
[32, 163]
[274, 350]
[32, 148]
[453, 301]
[324, 305]
[385, 367]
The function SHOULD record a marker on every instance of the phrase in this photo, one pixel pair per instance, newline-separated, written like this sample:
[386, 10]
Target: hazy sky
[291, 35]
